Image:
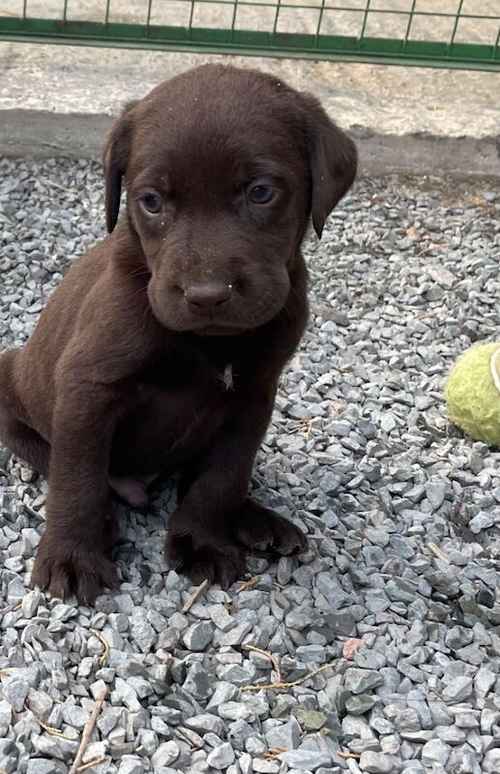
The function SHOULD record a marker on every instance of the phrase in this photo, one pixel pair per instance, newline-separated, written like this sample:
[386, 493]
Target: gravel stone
[450, 734]
[198, 636]
[484, 681]
[167, 753]
[15, 691]
[307, 760]
[491, 761]
[223, 692]
[361, 680]
[131, 764]
[5, 717]
[459, 688]
[234, 636]
[221, 756]
[43, 766]
[262, 766]
[435, 752]
[435, 491]
[482, 520]
[206, 722]
[235, 710]
[359, 705]
[377, 763]
[39, 703]
[310, 720]
[341, 624]
[285, 736]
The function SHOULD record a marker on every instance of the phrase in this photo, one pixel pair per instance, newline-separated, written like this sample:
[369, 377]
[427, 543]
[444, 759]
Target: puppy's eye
[151, 202]
[261, 193]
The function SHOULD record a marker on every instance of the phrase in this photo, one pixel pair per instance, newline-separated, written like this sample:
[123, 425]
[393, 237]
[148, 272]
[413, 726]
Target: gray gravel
[395, 599]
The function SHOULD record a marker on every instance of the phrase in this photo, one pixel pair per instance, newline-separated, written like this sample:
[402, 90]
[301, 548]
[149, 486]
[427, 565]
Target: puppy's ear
[115, 158]
[333, 159]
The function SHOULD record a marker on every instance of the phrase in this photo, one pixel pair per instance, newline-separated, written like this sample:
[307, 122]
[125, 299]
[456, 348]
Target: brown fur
[123, 378]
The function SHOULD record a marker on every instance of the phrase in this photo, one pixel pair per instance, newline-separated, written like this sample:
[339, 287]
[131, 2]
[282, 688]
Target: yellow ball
[473, 393]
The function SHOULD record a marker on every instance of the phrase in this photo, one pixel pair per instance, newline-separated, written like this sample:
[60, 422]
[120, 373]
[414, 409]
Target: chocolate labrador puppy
[162, 349]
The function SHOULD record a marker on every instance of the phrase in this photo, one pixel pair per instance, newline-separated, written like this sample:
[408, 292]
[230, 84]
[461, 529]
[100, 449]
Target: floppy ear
[333, 158]
[115, 158]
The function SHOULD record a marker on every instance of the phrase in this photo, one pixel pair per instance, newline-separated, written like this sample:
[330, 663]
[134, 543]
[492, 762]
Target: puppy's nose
[207, 296]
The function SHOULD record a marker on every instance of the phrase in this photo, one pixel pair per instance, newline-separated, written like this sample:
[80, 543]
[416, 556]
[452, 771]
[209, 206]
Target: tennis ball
[473, 393]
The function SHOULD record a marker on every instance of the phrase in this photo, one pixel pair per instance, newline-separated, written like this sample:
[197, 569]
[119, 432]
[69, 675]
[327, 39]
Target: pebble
[377, 763]
[306, 759]
[458, 689]
[205, 723]
[15, 692]
[285, 736]
[221, 756]
[435, 752]
[491, 761]
[262, 766]
[310, 720]
[482, 520]
[131, 764]
[39, 703]
[197, 636]
[435, 491]
[361, 680]
[43, 766]
[234, 710]
[167, 753]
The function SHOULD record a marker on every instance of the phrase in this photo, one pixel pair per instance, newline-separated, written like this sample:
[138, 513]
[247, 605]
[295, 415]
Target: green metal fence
[442, 33]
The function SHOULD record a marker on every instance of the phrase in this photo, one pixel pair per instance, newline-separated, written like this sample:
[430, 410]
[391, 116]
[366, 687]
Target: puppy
[162, 348]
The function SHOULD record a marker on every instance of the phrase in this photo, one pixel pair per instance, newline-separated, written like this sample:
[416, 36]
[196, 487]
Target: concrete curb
[41, 134]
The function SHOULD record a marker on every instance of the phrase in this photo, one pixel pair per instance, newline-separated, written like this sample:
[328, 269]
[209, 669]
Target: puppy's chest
[186, 372]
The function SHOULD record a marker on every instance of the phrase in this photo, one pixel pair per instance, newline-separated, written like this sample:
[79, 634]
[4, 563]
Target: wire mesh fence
[448, 33]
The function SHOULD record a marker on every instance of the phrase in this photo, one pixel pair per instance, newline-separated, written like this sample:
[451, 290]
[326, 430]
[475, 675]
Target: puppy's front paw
[262, 529]
[64, 568]
[201, 554]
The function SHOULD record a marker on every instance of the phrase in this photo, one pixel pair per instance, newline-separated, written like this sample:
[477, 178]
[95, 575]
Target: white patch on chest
[227, 377]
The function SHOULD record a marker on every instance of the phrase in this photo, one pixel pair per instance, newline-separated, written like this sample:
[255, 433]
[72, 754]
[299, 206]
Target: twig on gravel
[278, 686]
[306, 426]
[87, 732]
[347, 755]
[249, 584]
[91, 764]
[53, 731]
[353, 766]
[192, 599]
[266, 654]
[271, 755]
[105, 654]
[437, 552]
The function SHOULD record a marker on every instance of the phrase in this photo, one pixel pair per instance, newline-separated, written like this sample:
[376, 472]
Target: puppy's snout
[207, 296]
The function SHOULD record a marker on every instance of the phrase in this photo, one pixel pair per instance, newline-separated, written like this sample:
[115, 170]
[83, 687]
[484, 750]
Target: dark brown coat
[162, 348]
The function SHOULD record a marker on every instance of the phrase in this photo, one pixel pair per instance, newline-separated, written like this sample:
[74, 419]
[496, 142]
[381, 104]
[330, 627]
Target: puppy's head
[223, 169]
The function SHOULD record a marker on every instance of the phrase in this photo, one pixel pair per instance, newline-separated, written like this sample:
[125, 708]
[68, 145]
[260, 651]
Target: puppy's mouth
[218, 330]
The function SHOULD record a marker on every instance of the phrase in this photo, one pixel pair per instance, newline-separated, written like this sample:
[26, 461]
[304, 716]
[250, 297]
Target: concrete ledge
[59, 101]
[42, 134]
[425, 154]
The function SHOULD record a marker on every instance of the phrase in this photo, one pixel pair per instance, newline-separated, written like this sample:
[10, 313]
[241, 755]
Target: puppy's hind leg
[132, 489]
[17, 436]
